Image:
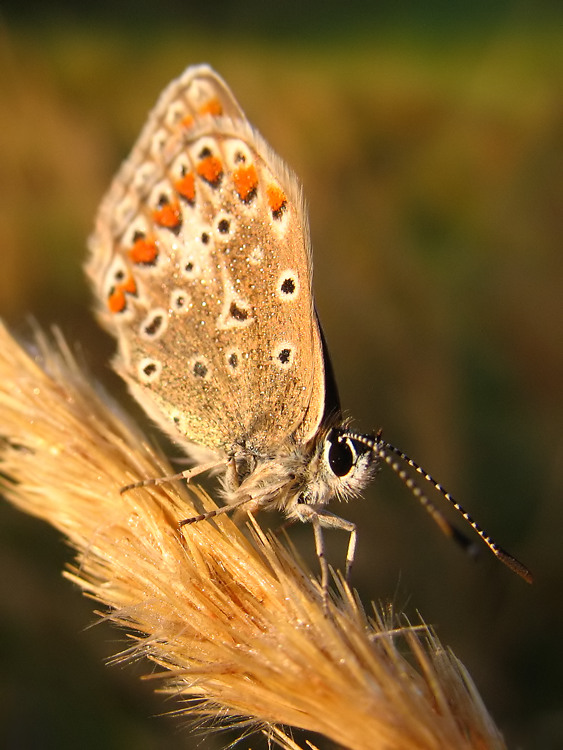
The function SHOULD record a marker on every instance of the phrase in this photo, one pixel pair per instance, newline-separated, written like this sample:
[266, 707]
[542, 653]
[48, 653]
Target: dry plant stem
[233, 623]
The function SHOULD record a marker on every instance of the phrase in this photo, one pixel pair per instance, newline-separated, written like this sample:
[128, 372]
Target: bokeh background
[429, 139]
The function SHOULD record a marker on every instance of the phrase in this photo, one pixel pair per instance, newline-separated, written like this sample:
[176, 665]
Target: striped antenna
[388, 453]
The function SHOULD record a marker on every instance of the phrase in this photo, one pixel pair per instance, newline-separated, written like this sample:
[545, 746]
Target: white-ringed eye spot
[154, 325]
[236, 312]
[161, 191]
[288, 286]
[224, 226]
[284, 355]
[149, 370]
[239, 311]
[201, 148]
[236, 152]
[116, 272]
[180, 301]
[137, 230]
[190, 268]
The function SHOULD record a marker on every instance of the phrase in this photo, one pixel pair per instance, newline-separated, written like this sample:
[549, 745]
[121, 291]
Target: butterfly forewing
[201, 261]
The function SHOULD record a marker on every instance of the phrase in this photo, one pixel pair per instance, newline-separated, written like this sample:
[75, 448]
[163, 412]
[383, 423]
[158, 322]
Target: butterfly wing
[200, 261]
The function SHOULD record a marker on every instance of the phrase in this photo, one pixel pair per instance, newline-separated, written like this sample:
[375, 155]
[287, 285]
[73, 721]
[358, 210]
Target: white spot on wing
[137, 227]
[154, 325]
[160, 190]
[283, 355]
[180, 301]
[256, 256]
[149, 370]
[287, 287]
[236, 312]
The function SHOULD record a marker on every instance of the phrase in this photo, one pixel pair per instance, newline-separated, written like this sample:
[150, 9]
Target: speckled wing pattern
[200, 260]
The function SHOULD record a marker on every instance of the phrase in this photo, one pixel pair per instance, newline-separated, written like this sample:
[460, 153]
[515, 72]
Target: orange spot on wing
[117, 301]
[186, 187]
[246, 182]
[276, 200]
[143, 251]
[129, 286]
[211, 169]
[212, 107]
[168, 215]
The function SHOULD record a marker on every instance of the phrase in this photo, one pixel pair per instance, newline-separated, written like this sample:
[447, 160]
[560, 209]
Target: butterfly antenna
[387, 452]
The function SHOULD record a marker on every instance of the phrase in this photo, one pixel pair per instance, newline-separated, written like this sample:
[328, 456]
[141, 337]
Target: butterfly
[201, 266]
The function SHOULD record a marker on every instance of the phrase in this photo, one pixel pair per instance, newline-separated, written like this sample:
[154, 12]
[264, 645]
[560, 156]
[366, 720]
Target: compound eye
[341, 457]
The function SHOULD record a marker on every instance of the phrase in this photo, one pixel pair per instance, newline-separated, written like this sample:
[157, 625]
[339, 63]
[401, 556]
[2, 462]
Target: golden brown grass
[234, 627]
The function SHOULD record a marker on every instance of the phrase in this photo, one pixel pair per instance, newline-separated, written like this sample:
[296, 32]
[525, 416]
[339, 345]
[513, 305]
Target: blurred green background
[429, 139]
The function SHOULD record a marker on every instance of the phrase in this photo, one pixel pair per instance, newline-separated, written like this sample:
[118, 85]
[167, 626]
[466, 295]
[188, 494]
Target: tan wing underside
[239, 310]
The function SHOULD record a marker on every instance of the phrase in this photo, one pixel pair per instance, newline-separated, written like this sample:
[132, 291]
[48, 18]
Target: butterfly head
[344, 462]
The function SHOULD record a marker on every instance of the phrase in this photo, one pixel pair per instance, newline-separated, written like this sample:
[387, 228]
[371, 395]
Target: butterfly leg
[217, 512]
[188, 474]
[325, 519]
[320, 550]
[351, 552]
[330, 521]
